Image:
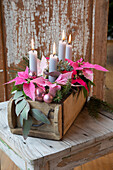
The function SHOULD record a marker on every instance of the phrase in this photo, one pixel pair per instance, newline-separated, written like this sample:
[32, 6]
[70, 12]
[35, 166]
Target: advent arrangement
[50, 86]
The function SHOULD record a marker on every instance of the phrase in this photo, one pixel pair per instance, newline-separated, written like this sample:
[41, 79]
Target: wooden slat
[3, 90]
[87, 41]
[100, 44]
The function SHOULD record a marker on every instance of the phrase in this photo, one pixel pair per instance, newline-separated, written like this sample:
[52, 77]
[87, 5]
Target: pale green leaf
[21, 120]
[26, 127]
[19, 99]
[25, 111]
[17, 95]
[38, 115]
[20, 106]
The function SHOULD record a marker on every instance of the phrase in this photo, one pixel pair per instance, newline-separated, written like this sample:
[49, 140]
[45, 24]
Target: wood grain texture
[105, 162]
[3, 91]
[45, 20]
[100, 44]
[86, 140]
[71, 108]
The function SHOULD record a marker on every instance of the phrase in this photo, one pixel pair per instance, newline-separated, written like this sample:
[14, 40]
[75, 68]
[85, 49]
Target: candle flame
[69, 41]
[32, 44]
[63, 35]
[54, 49]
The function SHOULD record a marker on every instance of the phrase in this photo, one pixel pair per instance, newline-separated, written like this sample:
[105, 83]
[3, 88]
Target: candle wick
[62, 40]
[33, 51]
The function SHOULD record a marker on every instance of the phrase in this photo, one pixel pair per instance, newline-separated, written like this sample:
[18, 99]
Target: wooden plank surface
[87, 139]
[105, 162]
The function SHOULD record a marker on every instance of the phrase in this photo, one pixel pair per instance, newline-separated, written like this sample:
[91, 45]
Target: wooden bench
[87, 139]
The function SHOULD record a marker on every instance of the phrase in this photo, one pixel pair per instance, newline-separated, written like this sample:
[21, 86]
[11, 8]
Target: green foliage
[66, 89]
[84, 91]
[26, 127]
[20, 106]
[64, 65]
[62, 94]
[110, 19]
[19, 99]
[25, 111]
[58, 98]
[17, 95]
[95, 105]
[21, 120]
[38, 115]
[17, 88]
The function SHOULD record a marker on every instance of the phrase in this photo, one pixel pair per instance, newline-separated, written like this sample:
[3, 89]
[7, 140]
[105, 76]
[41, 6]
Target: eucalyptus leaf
[26, 127]
[19, 99]
[21, 120]
[38, 115]
[18, 94]
[20, 106]
[25, 111]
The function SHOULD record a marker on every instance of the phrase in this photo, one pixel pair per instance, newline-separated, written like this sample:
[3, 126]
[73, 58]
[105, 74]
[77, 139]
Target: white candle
[53, 64]
[33, 58]
[69, 49]
[62, 48]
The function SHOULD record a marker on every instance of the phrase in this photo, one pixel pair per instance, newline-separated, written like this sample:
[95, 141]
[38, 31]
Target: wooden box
[61, 117]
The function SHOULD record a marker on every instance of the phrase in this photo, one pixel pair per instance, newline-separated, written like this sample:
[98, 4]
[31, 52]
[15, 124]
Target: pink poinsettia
[28, 87]
[85, 68]
[88, 74]
[80, 65]
[63, 78]
[81, 82]
[41, 82]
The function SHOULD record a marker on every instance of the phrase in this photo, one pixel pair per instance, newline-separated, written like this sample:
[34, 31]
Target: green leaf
[21, 120]
[26, 127]
[85, 92]
[19, 99]
[25, 111]
[20, 106]
[91, 83]
[38, 115]
[14, 88]
[18, 94]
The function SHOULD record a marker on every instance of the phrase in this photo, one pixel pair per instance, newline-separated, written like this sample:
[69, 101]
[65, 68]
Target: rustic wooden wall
[3, 94]
[45, 20]
[100, 44]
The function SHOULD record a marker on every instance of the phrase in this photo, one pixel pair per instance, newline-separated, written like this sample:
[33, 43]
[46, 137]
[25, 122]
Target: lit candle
[69, 49]
[62, 47]
[53, 63]
[33, 58]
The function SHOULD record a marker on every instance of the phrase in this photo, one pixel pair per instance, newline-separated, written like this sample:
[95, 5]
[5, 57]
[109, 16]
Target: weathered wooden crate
[61, 117]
